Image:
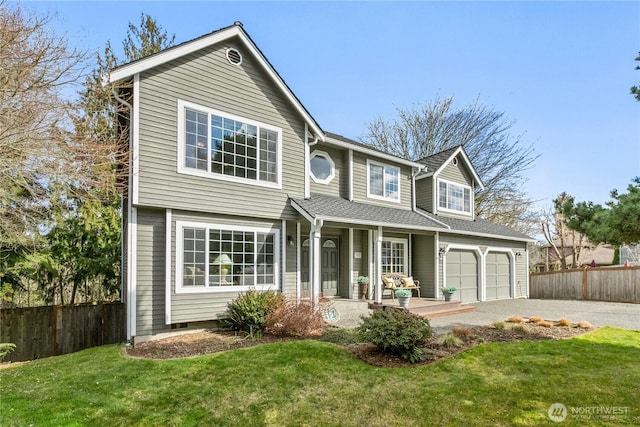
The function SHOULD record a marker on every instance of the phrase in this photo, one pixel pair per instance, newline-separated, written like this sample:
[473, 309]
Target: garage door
[462, 272]
[498, 276]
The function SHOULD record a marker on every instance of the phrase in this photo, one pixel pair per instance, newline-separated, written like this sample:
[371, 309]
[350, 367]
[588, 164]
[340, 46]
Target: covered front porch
[342, 240]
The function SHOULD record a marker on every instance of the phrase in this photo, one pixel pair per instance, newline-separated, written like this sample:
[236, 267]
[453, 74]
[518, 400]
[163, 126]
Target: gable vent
[234, 57]
[455, 161]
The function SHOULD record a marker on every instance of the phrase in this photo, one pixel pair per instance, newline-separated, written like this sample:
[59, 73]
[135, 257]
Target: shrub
[248, 311]
[397, 332]
[515, 319]
[545, 324]
[564, 322]
[498, 325]
[584, 324]
[463, 332]
[295, 319]
[450, 340]
[6, 348]
[535, 319]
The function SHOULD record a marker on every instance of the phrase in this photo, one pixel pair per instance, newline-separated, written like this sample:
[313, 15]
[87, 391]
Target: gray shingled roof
[341, 210]
[479, 227]
[435, 161]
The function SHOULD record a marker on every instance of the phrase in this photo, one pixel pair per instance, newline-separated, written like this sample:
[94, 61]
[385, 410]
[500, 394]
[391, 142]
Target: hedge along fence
[614, 284]
[47, 331]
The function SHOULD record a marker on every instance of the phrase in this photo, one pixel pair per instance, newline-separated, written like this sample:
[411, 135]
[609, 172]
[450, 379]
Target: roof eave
[372, 152]
[136, 67]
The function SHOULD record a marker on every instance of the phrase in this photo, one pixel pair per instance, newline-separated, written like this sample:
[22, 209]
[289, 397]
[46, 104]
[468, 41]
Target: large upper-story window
[454, 197]
[224, 146]
[383, 181]
[213, 257]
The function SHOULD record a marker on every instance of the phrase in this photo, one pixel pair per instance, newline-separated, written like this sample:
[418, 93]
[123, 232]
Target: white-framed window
[383, 181]
[219, 145]
[454, 197]
[322, 167]
[394, 256]
[222, 258]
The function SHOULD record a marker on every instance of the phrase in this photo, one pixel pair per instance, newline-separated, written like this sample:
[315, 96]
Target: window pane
[193, 256]
[376, 180]
[196, 138]
[391, 185]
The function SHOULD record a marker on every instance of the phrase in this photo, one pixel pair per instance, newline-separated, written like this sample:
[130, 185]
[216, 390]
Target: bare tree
[562, 240]
[499, 157]
[35, 152]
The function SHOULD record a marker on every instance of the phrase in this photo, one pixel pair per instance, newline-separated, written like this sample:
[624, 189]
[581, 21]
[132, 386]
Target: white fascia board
[372, 152]
[490, 236]
[467, 161]
[170, 54]
[302, 212]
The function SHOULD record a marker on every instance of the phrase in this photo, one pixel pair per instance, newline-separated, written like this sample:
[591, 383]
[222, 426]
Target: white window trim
[471, 198]
[406, 250]
[332, 175]
[180, 289]
[181, 167]
[384, 166]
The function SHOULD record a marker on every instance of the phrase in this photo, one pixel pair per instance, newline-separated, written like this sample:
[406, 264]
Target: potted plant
[404, 295]
[448, 291]
[363, 282]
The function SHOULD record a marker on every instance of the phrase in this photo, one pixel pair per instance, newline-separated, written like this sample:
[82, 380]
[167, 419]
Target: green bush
[248, 312]
[397, 332]
[6, 348]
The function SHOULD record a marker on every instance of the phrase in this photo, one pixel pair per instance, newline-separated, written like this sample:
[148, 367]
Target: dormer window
[323, 169]
[383, 181]
[454, 197]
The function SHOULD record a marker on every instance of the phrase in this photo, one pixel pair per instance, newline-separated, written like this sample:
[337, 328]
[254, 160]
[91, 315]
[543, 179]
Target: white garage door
[462, 272]
[498, 276]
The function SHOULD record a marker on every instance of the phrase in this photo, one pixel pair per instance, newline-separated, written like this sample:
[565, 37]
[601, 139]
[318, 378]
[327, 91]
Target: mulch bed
[207, 342]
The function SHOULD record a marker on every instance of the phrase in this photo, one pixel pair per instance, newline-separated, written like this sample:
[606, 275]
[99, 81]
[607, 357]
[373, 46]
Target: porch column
[314, 260]
[378, 263]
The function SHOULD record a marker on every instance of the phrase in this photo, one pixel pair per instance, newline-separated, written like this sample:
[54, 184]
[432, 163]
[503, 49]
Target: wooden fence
[617, 284]
[47, 331]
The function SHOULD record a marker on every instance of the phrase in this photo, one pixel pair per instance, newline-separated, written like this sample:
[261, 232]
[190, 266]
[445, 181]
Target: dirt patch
[208, 342]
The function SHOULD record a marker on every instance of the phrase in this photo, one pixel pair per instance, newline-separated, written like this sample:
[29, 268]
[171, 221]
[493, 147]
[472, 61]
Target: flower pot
[364, 290]
[447, 296]
[404, 301]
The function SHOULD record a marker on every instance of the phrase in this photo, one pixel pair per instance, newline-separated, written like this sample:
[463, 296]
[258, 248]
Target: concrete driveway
[598, 313]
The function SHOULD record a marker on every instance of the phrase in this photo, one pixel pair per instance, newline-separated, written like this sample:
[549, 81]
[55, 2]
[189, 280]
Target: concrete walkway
[598, 313]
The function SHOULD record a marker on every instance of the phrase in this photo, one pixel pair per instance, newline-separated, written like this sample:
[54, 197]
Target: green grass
[314, 383]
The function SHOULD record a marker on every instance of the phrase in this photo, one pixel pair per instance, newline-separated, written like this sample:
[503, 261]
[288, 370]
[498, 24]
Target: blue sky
[561, 70]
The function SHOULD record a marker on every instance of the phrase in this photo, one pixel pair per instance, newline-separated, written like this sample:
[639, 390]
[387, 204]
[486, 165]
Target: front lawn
[320, 384]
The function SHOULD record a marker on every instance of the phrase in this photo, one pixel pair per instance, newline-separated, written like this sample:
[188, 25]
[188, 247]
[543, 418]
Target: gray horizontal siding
[423, 265]
[455, 173]
[206, 78]
[424, 194]
[150, 272]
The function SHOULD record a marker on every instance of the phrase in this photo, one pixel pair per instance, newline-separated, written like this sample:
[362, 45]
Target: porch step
[429, 308]
[445, 312]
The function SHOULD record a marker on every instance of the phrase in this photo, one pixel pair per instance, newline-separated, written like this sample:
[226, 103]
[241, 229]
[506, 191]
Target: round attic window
[233, 56]
[455, 161]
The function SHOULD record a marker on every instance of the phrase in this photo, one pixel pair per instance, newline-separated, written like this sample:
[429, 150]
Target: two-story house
[234, 186]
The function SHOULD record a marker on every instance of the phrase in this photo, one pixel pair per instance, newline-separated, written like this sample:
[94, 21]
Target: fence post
[584, 284]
